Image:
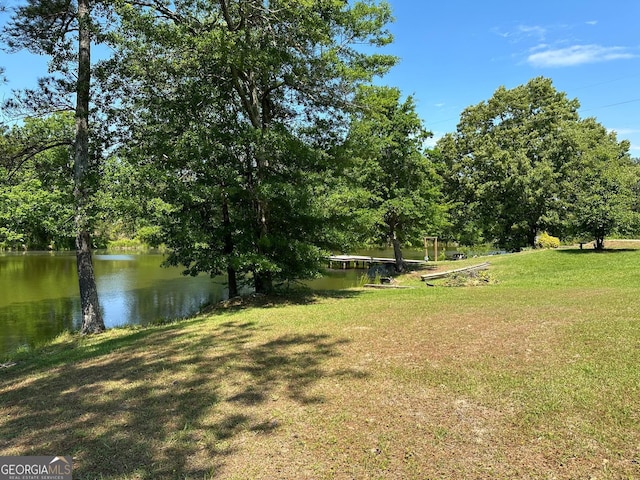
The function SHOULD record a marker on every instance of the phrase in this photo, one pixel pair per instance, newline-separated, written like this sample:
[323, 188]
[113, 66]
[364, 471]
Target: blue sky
[456, 53]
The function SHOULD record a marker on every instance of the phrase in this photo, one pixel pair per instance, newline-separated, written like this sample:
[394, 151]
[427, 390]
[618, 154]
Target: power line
[612, 104]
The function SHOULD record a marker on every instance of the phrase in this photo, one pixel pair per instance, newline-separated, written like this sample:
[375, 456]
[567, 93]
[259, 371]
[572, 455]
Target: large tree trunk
[263, 281]
[91, 315]
[397, 253]
[232, 276]
[531, 236]
[257, 107]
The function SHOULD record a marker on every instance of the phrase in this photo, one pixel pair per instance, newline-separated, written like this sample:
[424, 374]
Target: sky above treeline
[456, 53]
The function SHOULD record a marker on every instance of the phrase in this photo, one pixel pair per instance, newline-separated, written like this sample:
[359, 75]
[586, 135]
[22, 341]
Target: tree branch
[17, 160]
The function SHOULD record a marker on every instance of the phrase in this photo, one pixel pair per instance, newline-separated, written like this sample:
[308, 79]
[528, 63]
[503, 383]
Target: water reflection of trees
[25, 278]
[167, 299]
[40, 294]
[30, 323]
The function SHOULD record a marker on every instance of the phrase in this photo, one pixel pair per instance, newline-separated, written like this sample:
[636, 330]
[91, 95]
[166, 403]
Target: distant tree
[631, 228]
[599, 196]
[125, 208]
[505, 162]
[458, 225]
[399, 185]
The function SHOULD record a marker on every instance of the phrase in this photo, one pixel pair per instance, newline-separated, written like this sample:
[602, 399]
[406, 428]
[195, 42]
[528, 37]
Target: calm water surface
[39, 293]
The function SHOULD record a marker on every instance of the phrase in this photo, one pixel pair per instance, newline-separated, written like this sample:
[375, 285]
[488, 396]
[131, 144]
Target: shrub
[547, 241]
[125, 244]
[150, 235]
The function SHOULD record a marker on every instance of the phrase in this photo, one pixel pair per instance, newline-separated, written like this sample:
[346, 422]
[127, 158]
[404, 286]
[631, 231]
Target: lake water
[39, 293]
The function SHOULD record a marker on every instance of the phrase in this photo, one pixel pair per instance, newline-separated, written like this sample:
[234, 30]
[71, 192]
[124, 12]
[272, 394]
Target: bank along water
[39, 292]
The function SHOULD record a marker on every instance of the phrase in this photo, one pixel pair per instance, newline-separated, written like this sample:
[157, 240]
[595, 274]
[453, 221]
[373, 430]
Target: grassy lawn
[534, 376]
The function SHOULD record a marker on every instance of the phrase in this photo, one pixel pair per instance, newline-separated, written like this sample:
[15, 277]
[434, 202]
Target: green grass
[533, 376]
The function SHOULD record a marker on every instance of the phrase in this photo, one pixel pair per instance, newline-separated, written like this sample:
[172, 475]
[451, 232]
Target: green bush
[126, 244]
[150, 235]
[547, 241]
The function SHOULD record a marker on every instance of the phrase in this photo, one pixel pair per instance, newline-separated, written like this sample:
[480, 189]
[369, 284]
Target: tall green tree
[63, 31]
[506, 159]
[600, 186]
[233, 102]
[399, 183]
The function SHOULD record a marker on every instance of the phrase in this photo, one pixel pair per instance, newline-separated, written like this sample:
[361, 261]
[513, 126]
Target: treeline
[524, 162]
[249, 139]
[516, 166]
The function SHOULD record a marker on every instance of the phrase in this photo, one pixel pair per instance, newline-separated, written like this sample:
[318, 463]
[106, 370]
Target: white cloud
[592, 22]
[541, 46]
[532, 31]
[578, 55]
[522, 32]
[502, 34]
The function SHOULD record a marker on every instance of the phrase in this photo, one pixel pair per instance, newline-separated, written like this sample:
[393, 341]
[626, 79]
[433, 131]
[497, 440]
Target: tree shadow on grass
[165, 402]
[298, 296]
[593, 251]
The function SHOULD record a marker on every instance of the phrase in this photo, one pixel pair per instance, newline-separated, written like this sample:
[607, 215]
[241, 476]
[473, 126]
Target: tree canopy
[36, 193]
[599, 196]
[399, 188]
[232, 103]
[509, 163]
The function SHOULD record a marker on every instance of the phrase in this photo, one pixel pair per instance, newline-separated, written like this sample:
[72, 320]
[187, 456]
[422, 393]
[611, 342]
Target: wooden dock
[362, 261]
